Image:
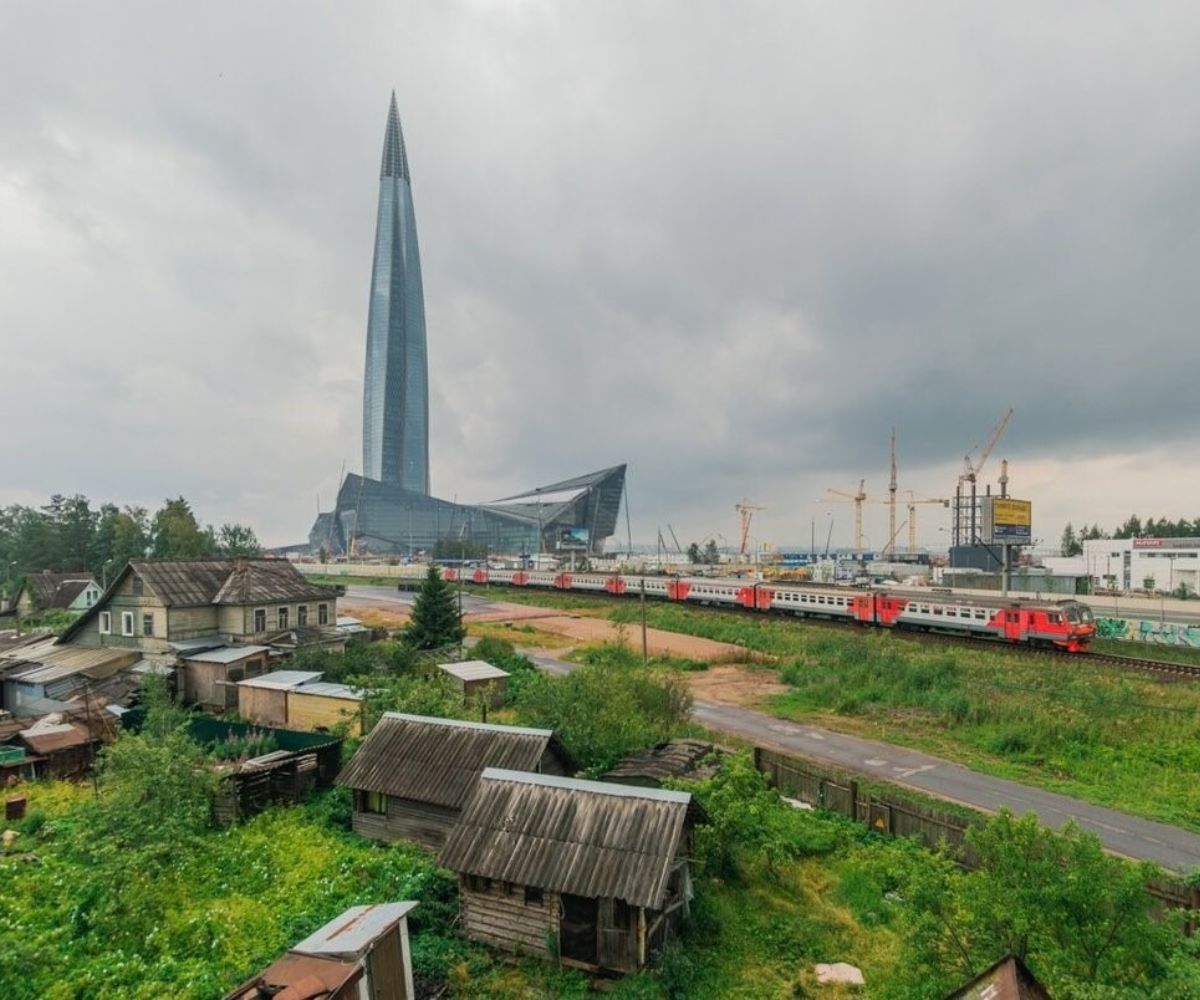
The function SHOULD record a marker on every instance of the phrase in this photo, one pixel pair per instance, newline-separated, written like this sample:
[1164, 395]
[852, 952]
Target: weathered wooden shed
[598, 872]
[364, 953]
[690, 759]
[210, 678]
[413, 773]
[1007, 979]
[323, 705]
[478, 679]
[263, 699]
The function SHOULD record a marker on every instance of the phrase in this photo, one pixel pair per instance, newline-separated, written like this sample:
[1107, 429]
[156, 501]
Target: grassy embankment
[1109, 736]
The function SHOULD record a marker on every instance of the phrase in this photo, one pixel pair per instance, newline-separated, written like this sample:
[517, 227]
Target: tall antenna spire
[395, 159]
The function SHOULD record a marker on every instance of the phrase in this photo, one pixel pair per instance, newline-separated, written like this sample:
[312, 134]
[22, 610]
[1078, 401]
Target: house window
[374, 802]
[533, 896]
[105, 623]
[322, 614]
[477, 883]
[302, 615]
[126, 623]
[260, 619]
[136, 586]
[147, 624]
[283, 617]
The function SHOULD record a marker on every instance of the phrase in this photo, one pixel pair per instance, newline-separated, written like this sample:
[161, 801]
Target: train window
[937, 611]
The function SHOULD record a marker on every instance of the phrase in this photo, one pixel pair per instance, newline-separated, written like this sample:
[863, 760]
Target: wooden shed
[694, 760]
[363, 953]
[210, 678]
[413, 773]
[324, 705]
[478, 679]
[598, 872]
[263, 699]
[1007, 979]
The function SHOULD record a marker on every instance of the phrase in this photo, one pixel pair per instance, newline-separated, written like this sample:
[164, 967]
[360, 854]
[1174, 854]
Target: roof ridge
[490, 727]
[586, 785]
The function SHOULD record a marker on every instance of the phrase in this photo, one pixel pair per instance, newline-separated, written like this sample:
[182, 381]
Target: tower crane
[858, 499]
[746, 509]
[912, 517]
[970, 476]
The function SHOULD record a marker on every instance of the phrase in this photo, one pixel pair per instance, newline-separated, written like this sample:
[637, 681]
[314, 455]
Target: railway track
[1165, 669]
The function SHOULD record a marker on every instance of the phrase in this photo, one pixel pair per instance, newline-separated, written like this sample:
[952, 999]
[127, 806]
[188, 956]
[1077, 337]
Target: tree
[712, 554]
[177, 534]
[694, 554]
[435, 621]
[1070, 544]
[238, 541]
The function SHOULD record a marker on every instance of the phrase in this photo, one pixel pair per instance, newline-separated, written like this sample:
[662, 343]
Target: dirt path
[658, 642]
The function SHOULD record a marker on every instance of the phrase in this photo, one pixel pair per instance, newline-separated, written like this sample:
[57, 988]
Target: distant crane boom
[746, 510]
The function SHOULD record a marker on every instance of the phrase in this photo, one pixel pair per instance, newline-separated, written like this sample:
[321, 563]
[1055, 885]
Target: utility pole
[645, 645]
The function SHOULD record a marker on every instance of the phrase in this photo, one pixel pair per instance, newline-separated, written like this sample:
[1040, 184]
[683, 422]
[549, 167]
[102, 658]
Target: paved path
[1120, 833]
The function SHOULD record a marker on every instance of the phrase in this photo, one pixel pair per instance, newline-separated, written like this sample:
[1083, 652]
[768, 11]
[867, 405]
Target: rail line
[1164, 669]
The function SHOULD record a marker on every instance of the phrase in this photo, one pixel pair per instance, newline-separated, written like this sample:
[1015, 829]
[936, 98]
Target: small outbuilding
[595, 873]
[1007, 979]
[210, 678]
[413, 773]
[478, 679]
[299, 699]
[364, 953]
[263, 699]
[689, 759]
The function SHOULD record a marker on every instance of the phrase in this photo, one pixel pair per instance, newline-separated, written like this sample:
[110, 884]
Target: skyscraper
[396, 384]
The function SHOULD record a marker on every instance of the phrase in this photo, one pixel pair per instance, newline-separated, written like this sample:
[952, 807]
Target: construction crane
[912, 517]
[889, 550]
[858, 499]
[970, 476]
[746, 509]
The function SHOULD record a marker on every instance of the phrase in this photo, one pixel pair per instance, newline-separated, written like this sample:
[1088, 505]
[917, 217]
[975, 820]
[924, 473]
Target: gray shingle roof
[587, 838]
[56, 590]
[440, 760]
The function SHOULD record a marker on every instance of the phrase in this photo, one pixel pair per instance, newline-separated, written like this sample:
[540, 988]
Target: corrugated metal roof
[353, 933]
[227, 654]
[676, 759]
[255, 581]
[439, 760]
[327, 689]
[197, 645]
[565, 835]
[473, 670]
[280, 680]
[50, 738]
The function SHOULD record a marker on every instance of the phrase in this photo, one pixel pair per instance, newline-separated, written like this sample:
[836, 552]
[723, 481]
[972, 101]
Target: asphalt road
[403, 598]
[1120, 833]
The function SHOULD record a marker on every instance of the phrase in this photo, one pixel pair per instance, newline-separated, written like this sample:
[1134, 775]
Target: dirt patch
[658, 642]
[735, 684]
[379, 615]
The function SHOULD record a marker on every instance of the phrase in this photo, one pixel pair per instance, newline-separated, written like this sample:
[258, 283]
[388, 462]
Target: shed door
[387, 967]
[577, 929]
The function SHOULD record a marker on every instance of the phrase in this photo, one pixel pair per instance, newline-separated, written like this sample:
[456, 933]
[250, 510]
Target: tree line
[70, 534]
[1133, 527]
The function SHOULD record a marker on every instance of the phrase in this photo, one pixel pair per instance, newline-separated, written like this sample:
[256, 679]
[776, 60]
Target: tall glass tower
[396, 386]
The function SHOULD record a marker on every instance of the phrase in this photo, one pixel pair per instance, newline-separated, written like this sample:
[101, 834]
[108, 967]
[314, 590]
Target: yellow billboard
[1012, 513]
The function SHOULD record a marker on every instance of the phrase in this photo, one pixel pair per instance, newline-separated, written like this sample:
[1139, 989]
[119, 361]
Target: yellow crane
[858, 499]
[746, 511]
[912, 517]
[969, 477]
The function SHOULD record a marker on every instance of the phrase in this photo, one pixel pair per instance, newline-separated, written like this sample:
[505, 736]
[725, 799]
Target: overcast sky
[730, 244]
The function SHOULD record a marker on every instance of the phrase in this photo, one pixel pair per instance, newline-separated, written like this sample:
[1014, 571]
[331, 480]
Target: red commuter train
[1064, 624]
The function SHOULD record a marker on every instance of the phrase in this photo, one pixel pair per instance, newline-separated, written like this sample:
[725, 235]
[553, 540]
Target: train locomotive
[1066, 624]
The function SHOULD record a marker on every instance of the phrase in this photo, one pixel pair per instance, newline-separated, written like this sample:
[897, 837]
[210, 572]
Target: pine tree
[435, 621]
[1070, 545]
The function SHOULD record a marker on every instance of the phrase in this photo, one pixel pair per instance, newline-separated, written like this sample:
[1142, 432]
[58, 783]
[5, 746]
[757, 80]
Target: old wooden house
[46, 591]
[478, 679]
[413, 773]
[362, 955]
[1007, 979]
[596, 873]
[157, 607]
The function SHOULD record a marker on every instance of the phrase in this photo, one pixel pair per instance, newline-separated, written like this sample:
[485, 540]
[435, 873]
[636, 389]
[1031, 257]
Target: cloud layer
[729, 245]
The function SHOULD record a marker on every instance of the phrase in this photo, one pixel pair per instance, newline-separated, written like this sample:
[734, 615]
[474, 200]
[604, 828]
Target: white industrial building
[1163, 564]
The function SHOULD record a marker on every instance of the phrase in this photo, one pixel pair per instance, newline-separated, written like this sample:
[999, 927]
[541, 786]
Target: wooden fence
[890, 810]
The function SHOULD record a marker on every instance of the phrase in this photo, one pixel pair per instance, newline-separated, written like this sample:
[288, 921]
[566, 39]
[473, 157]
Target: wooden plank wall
[406, 819]
[500, 918]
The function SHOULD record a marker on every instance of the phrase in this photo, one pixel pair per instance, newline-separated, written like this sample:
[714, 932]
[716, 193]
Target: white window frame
[127, 623]
[322, 614]
[106, 623]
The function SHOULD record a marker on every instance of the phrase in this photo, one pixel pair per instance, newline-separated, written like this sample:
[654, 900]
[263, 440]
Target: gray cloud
[731, 246]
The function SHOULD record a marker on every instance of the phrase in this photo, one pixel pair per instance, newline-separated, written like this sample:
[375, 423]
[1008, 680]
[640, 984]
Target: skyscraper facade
[396, 384]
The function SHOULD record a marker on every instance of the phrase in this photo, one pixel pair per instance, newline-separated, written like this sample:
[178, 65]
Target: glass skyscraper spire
[396, 389]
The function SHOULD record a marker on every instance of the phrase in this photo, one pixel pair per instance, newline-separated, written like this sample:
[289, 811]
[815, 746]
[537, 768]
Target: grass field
[1106, 735]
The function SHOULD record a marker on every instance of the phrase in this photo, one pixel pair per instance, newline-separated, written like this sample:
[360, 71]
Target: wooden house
[362, 954]
[55, 592]
[299, 699]
[413, 773]
[596, 873]
[155, 607]
[478, 679]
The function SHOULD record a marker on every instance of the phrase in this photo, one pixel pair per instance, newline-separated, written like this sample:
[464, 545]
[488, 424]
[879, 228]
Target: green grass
[1147, 651]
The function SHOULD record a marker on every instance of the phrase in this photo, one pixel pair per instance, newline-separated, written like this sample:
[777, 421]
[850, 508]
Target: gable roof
[439, 760]
[188, 583]
[1007, 979]
[587, 838]
[55, 590]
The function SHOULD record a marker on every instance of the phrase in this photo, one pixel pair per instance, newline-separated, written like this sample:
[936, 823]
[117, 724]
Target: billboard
[572, 538]
[1007, 521]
